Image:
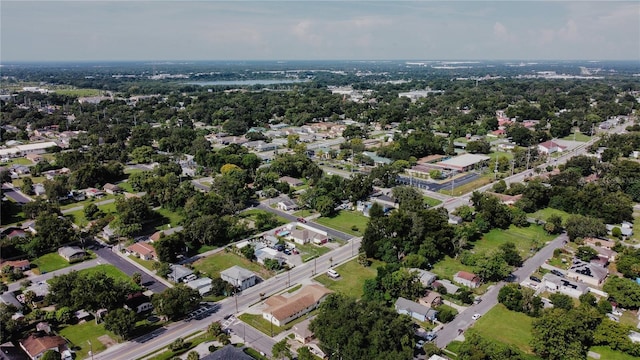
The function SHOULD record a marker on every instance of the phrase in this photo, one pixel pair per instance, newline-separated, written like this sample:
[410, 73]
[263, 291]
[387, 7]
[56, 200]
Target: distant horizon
[107, 31]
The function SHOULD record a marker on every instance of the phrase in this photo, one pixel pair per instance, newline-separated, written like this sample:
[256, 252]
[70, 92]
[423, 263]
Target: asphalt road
[463, 321]
[108, 255]
[139, 347]
[432, 186]
[44, 277]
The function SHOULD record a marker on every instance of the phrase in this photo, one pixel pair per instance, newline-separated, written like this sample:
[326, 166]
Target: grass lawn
[260, 324]
[130, 171]
[304, 213]
[543, 214]
[36, 180]
[523, 238]
[636, 225]
[431, 201]
[498, 154]
[254, 212]
[606, 353]
[578, 137]
[506, 326]
[223, 260]
[79, 92]
[81, 334]
[86, 202]
[174, 218]
[468, 187]
[50, 262]
[190, 343]
[110, 270]
[448, 267]
[18, 161]
[352, 277]
[125, 186]
[146, 263]
[80, 220]
[310, 251]
[344, 222]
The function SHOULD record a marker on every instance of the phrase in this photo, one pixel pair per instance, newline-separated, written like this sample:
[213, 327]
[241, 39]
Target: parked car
[535, 278]
[557, 273]
[430, 336]
[287, 251]
[476, 316]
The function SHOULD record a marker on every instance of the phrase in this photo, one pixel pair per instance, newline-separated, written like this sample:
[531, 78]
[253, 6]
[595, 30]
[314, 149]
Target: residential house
[93, 193]
[203, 285]
[587, 273]
[13, 232]
[260, 146]
[287, 205]
[109, 233]
[432, 299]
[426, 277]
[282, 310]
[72, 253]
[447, 285]
[608, 254]
[550, 147]
[467, 279]
[112, 189]
[23, 265]
[228, 352]
[291, 181]
[301, 331]
[239, 277]
[265, 253]
[305, 236]
[415, 310]
[143, 250]
[506, 199]
[555, 283]
[607, 244]
[454, 220]
[626, 229]
[138, 302]
[35, 345]
[179, 273]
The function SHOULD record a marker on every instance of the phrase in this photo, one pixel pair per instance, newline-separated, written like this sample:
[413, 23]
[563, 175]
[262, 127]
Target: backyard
[50, 262]
[223, 260]
[448, 267]
[110, 270]
[310, 251]
[544, 214]
[81, 335]
[347, 221]
[352, 278]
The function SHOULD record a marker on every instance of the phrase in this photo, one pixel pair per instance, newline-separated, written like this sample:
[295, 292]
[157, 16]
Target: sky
[318, 30]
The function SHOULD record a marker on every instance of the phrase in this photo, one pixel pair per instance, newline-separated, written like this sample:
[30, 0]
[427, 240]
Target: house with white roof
[550, 147]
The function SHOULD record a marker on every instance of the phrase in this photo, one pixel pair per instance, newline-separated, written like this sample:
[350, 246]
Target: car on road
[477, 300]
[476, 316]
[302, 220]
[287, 251]
[535, 278]
[430, 336]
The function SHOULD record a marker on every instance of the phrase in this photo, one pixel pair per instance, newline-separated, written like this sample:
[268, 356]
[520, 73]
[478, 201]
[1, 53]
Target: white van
[332, 274]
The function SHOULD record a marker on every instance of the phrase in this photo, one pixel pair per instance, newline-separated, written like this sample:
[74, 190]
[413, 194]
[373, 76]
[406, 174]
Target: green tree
[561, 301]
[121, 322]
[625, 291]
[282, 350]
[215, 329]
[586, 253]
[27, 185]
[91, 212]
[579, 226]
[176, 302]
[193, 355]
[493, 268]
[510, 254]
[446, 313]
[51, 355]
[64, 315]
[305, 354]
[136, 278]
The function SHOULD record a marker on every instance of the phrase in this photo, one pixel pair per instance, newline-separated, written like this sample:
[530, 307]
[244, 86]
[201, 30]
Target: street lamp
[90, 348]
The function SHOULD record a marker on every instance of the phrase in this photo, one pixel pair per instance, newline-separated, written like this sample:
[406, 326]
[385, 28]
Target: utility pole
[495, 171]
[90, 348]
[528, 156]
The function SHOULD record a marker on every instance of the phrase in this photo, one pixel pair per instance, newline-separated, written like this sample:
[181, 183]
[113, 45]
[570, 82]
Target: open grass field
[80, 220]
[608, 354]
[523, 238]
[304, 213]
[543, 214]
[448, 267]
[352, 277]
[252, 214]
[260, 324]
[344, 222]
[506, 326]
[36, 180]
[125, 186]
[87, 202]
[145, 263]
[79, 92]
[310, 251]
[223, 260]
[50, 262]
[110, 270]
[18, 161]
[498, 154]
[81, 334]
[468, 187]
[577, 137]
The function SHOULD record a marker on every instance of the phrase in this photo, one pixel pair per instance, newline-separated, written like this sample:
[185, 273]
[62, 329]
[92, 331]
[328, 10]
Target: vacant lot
[506, 326]
[524, 238]
[577, 137]
[171, 218]
[81, 334]
[223, 260]
[544, 214]
[468, 187]
[345, 221]
[110, 270]
[431, 201]
[352, 278]
[447, 267]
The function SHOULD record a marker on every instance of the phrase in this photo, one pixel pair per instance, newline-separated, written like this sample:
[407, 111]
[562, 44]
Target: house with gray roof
[415, 310]
[426, 277]
[72, 253]
[179, 273]
[239, 277]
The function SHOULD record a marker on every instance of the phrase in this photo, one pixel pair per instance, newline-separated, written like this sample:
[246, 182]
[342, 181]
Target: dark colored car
[534, 278]
[302, 220]
[557, 273]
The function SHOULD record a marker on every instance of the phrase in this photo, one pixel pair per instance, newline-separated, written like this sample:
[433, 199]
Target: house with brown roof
[291, 181]
[506, 199]
[432, 299]
[143, 250]
[23, 265]
[112, 189]
[35, 345]
[604, 243]
[301, 331]
[282, 310]
[467, 279]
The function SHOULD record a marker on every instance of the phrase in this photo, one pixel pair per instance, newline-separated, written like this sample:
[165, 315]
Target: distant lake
[246, 82]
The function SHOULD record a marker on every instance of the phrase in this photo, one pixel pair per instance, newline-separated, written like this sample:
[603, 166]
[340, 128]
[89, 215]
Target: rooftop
[237, 272]
[464, 160]
[281, 307]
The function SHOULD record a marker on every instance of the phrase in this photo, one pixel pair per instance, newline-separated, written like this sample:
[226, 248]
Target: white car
[476, 316]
